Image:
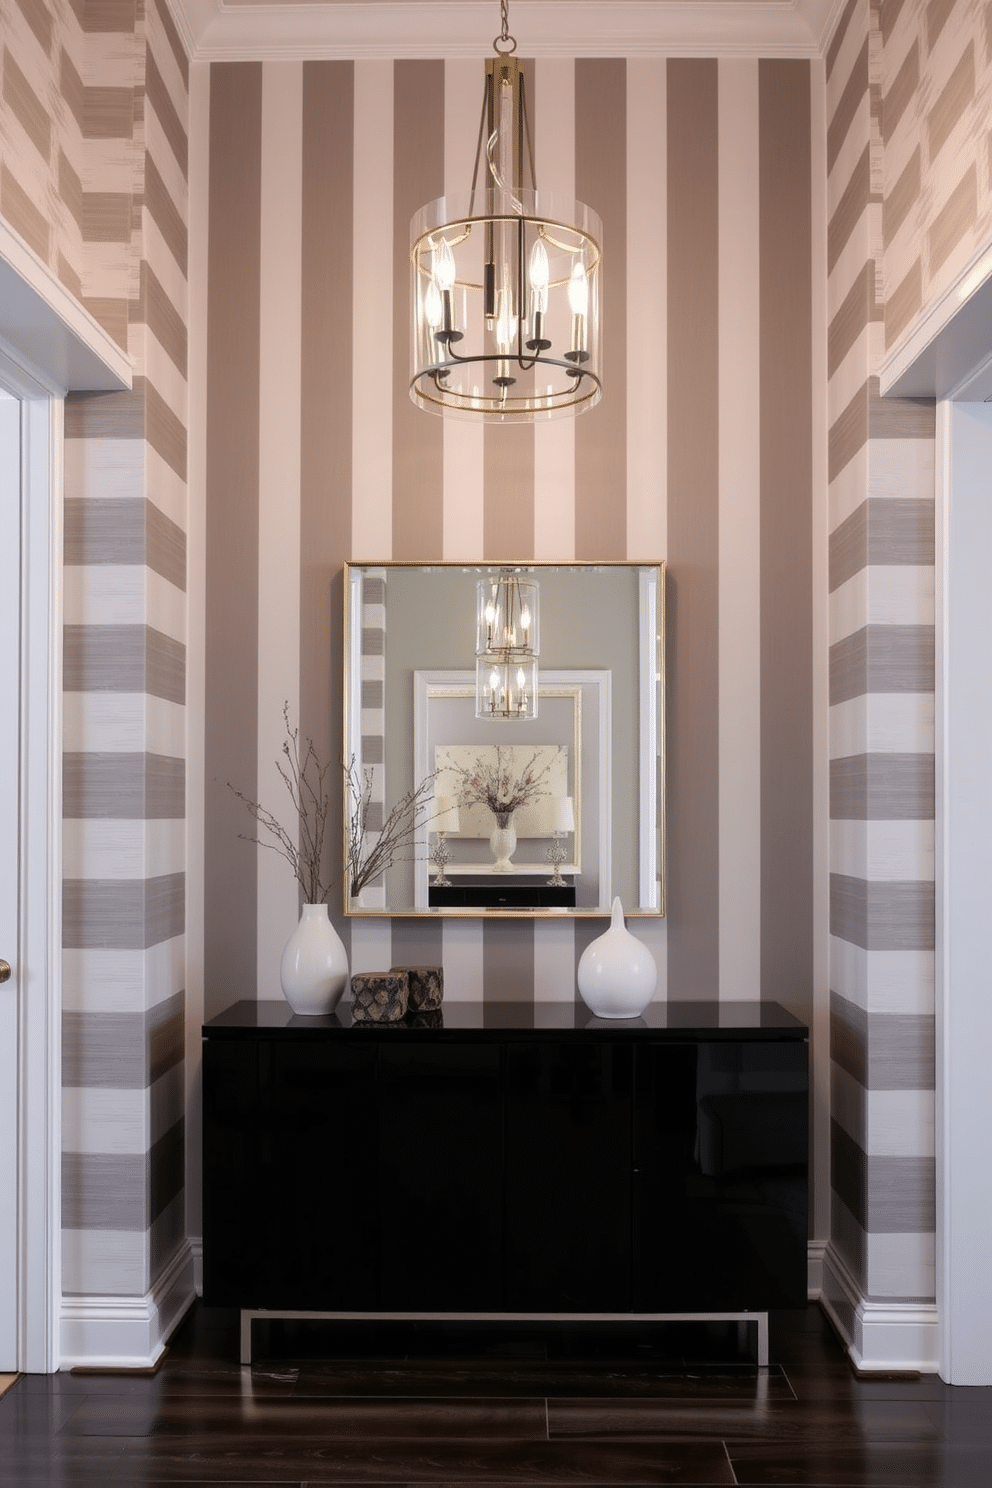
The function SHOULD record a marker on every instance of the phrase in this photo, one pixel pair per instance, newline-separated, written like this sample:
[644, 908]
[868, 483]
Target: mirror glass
[585, 778]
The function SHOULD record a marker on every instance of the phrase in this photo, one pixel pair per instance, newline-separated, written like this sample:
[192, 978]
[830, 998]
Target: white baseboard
[815, 1252]
[127, 1332]
[881, 1337]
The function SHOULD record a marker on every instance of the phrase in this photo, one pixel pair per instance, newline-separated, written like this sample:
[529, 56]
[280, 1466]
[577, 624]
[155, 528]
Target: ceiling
[227, 30]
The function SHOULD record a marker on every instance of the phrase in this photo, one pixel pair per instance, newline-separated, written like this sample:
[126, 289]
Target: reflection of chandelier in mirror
[505, 280]
[507, 645]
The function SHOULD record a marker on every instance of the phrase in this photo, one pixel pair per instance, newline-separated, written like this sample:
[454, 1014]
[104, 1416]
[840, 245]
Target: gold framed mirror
[425, 717]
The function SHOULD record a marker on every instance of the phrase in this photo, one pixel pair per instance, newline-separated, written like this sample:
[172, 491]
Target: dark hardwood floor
[431, 1405]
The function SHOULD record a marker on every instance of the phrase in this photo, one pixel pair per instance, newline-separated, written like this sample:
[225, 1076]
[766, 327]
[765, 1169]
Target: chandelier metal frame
[505, 279]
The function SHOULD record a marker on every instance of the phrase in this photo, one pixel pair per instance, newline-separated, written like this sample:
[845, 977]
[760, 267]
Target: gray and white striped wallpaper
[881, 681]
[935, 96]
[68, 157]
[741, 437]
[124, 788]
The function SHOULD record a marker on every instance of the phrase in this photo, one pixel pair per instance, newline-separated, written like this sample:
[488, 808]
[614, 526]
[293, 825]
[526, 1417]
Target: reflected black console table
[510, 1161]
[493, 891]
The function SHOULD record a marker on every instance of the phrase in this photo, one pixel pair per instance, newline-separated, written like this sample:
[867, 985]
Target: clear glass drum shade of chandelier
[506, 689]
[507, 645]
[508, 616]
[506, 305]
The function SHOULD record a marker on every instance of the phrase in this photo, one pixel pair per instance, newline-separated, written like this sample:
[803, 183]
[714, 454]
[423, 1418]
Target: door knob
[4, 971]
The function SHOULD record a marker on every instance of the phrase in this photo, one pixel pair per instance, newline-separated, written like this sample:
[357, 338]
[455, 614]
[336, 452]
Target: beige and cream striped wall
[702, 452]
[881, 583]
[708, 450]
[93, 130]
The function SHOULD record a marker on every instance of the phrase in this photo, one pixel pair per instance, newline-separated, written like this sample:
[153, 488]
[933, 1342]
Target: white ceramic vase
[503, 841]
[314, 965]
[617, 974]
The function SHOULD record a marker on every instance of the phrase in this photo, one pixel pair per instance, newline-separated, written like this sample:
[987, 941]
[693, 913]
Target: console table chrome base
[248, 1316]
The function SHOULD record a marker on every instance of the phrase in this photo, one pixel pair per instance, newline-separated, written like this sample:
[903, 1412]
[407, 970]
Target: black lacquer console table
[512, 1160]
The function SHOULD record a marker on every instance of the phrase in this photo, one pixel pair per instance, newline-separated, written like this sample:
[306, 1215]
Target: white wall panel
[463, 440]
[279, 491]
[739, 535]
[103, 981]
[464, 959]
[124, 594]
[647, 291]
[882, 981]
[883, 594]
[122, 848]
[372, 464]
[554, 441]
[885, 723]
[883, 851]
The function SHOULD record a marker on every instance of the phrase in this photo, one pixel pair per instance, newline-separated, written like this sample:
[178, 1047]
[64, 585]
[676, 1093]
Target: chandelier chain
[504, 44]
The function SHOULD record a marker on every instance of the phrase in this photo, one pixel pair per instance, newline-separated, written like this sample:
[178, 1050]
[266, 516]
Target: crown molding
[944, 354]
[258, 30]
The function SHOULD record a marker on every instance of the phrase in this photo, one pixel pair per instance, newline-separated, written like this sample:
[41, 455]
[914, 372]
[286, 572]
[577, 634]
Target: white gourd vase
[314, 965]
[617, 974]
[503, 842]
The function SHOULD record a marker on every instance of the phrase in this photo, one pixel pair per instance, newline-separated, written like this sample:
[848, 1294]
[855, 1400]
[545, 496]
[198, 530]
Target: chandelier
[507, 644]
[505, 279]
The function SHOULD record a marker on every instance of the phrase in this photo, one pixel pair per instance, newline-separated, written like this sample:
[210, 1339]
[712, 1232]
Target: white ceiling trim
[949, 340]
[216, 30]
[46, 329]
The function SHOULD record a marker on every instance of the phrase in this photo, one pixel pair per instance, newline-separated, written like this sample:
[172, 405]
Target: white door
[964, 883]
[10, 739]
[30, 867]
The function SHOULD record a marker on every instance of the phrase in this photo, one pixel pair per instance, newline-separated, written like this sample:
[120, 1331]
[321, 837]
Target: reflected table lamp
[562, 822]
[444, 821]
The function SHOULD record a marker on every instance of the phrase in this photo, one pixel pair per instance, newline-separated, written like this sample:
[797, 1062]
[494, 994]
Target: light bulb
[442, 313]
[578, 298]
[504, 332]
[578, 290]
[432, 305]
[539, 273]
[506, 328]
[444, 265]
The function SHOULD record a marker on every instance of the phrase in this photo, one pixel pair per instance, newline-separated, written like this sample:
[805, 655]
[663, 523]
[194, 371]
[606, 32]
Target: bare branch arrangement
[491, 782]
[395, 839]
[305, 778]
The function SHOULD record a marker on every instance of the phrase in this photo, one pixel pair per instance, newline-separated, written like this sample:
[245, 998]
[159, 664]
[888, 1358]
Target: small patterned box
[426, 986]
[431, 1018]
[379, 996]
